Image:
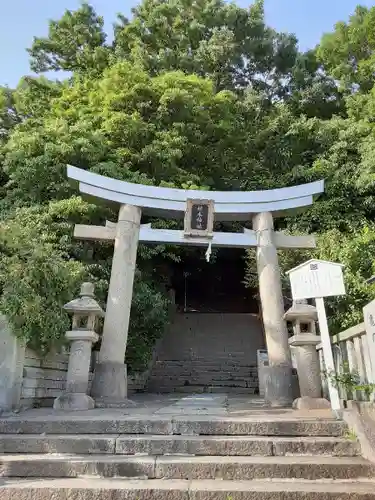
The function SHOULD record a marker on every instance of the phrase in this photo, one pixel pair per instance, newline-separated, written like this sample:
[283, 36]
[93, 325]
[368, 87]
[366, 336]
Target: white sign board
[262, 356]
[369, 317]
[316, 278]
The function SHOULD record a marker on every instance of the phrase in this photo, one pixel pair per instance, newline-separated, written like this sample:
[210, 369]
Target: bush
[37, 278]
[148, 319]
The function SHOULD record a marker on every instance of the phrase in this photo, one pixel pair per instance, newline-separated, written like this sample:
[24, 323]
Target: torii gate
[202, 208]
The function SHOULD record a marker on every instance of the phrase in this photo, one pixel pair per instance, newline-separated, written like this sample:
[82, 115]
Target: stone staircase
[204, 374]
[118, 457]
[213, 353]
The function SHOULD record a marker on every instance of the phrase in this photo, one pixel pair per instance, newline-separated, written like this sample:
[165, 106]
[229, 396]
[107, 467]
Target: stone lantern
[303, 318]
[85, 311]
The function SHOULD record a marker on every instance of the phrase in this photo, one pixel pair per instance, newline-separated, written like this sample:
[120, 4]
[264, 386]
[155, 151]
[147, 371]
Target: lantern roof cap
[86, 303]
[301, 310]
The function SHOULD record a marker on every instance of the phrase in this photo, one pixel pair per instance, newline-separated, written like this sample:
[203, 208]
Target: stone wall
[209, 352]
[27, 379]
[43, 378]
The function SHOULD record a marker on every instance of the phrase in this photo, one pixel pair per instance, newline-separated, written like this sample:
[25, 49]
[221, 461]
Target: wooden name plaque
[199, 218]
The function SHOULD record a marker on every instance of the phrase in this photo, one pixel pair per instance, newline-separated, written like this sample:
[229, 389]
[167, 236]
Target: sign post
[316, 279]
[327, 353]
[369, 317]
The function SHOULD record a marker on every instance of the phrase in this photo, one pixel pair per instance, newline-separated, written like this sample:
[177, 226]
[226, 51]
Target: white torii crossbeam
[147, 234]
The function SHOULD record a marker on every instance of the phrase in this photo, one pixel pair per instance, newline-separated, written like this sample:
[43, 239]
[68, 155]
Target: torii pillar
[278, 375]
[109, 386]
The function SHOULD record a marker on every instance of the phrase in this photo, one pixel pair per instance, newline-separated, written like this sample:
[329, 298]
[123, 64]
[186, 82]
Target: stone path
[168, 406]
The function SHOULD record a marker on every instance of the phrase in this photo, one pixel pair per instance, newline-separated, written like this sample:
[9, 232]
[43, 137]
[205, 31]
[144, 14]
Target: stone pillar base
[308, 403]
[109, 386]
[74, 402]
[278, 385]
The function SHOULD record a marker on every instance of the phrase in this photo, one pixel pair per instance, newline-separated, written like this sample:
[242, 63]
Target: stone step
[236, 445]
[48, 466]
[156, 489]
[66, 443]
[215, 375]
[235, 390]
[205, 362]
[199, 389]
[165, 389]
[204, 377]
[200, 378]
[202, 381]
[215, 389]
[230, 383]
[209, 375]
[166, 445]
[202, 365]
[186, 467]
[265, 425]
[245, 468]
[205, 380]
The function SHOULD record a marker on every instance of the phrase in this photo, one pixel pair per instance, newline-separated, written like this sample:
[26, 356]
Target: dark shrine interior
[213, 287]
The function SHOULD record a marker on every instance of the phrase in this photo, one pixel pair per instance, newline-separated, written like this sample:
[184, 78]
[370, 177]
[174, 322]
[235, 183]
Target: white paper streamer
[208, 252]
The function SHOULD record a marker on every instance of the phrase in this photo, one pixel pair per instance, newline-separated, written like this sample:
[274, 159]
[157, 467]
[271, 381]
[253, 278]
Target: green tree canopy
[348, 52]
[76, 42]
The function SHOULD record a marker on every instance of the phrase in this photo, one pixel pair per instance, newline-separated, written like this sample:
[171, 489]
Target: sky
[21, 20]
